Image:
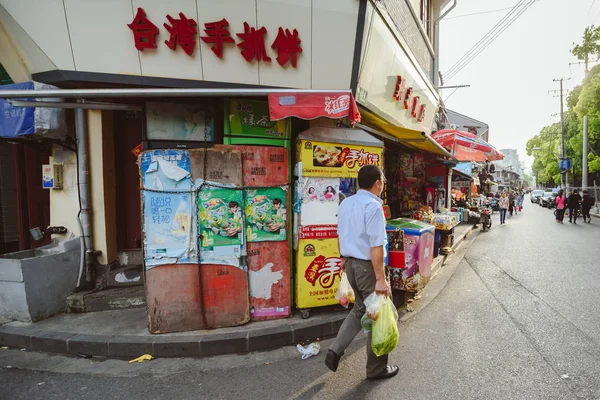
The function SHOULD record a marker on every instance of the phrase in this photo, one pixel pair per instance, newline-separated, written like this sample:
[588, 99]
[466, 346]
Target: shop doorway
[128, 127]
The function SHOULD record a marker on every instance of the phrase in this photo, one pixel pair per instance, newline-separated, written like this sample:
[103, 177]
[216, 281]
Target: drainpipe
[84, 196]
[436, 46]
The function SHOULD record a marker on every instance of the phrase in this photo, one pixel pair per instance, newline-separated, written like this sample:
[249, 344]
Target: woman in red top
[560, 206]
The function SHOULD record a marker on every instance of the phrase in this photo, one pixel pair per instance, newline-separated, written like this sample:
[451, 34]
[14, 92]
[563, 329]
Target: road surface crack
[520, 326]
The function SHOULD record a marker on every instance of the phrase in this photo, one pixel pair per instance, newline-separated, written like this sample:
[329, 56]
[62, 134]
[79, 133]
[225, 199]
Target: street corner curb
[88, 345]
[178, 346]
[170, 346]
[227, 343]
[269, 338]
[129, 346]
[14, 337]
[50, 342]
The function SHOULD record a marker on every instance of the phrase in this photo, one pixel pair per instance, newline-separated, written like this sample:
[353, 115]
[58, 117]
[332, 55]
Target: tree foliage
[590, 45]
[544, 147]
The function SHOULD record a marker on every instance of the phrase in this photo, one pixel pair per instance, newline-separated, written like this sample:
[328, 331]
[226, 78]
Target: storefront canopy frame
[419, 141]
[155, 92]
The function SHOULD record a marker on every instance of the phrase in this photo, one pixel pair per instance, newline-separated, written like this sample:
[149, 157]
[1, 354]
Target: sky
[511, 78]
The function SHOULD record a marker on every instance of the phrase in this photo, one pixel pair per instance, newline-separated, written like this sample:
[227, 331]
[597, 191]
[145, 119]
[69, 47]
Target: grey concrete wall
[46, 281]
[13, 301]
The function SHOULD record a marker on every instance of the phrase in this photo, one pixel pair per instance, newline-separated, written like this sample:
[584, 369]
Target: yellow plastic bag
[385, 329]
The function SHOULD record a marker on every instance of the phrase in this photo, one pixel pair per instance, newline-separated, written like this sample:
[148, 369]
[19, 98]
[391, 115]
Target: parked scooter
[486, 218]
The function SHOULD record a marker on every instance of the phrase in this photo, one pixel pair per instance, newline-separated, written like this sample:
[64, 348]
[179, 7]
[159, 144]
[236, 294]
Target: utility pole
[584, 168]
[563, 176]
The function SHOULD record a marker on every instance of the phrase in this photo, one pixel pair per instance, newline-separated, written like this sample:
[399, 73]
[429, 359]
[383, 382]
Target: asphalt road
[518, 319]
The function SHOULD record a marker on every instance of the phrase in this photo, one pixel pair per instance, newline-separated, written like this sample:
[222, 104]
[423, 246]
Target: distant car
[535, 195]
[547, 199]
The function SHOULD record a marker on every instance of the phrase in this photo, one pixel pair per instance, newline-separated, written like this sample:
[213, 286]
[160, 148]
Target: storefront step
[106, 300]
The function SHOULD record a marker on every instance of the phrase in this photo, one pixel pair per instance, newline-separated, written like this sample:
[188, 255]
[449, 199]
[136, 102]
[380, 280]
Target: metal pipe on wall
[84, 193]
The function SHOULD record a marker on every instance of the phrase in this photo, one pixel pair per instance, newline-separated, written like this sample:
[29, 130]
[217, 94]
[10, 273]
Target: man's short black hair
[368, 175]
[276, 201]
[233, 204]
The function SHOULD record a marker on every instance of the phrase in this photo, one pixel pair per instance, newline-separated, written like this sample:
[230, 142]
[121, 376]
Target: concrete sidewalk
[123, 333]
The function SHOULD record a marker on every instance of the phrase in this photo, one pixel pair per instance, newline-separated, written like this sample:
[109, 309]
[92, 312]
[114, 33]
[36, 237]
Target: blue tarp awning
[16, 121]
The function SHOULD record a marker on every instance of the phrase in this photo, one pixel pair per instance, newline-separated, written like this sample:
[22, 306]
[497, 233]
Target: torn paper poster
[262, 281]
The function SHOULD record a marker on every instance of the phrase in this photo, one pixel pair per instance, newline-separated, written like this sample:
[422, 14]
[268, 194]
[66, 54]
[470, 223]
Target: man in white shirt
[362, 239]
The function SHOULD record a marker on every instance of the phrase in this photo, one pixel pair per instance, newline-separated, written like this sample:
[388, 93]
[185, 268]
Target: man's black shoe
[389, 372]
[332, 360]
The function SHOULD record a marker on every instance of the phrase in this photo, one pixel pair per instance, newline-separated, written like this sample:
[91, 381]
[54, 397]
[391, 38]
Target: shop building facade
[381, 52]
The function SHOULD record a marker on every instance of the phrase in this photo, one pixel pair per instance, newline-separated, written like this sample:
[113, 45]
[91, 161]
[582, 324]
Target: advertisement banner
[251, 118]
[167, 225]
[320, 200]
[336, 160]
[265, 214]
[318, 232]
[319, 273]
[220, 220]
[179, 122]
[167, 217]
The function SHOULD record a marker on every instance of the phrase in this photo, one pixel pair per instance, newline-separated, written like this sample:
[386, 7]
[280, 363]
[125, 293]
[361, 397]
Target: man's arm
[375, 227]
[377, 259]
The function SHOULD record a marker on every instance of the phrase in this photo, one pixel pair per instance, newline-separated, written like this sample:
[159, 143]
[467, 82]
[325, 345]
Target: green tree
[589, 46]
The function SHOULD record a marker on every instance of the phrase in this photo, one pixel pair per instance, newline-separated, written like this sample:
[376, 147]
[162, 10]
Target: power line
[484, 12]
[485, 37]
[592, 6]
[490, 40]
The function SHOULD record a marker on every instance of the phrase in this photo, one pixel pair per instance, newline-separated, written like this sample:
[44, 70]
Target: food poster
[251, 118]
[336, 160]
[220, 220]
[318, 273]
[167, 208]
[265, 214]
[320, 201]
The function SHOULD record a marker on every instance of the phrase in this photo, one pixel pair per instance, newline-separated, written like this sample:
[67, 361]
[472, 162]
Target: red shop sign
[183, 32]
[409, 100]
[318, 232]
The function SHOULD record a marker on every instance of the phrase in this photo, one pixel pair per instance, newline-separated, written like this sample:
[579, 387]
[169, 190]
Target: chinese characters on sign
[183, 32]
[409, 100]
[336, 160]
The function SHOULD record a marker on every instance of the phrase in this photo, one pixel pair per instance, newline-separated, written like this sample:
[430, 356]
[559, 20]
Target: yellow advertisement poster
[336, 160]
[318, 273]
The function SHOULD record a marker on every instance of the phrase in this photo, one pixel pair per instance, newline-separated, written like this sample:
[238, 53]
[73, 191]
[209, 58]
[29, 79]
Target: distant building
[509, 172]
[468, 124]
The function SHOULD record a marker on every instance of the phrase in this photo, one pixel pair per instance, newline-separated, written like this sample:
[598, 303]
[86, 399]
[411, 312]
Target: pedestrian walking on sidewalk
[511, 204]
[574, 204]
[587, 202]
[560, 206]
[362, 239]
[520, 198]
[503, 203]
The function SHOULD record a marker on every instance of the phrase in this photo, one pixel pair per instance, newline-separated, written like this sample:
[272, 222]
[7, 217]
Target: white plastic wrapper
[49, 123]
